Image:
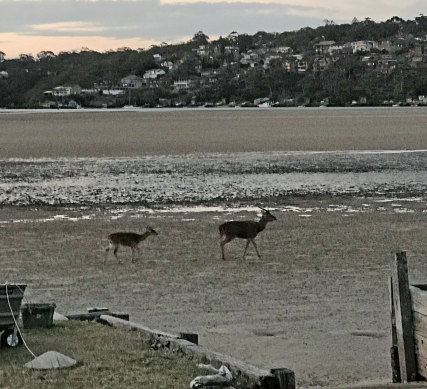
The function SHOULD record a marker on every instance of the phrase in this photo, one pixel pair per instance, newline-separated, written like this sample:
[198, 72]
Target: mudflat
[121, 133]
[316, 302]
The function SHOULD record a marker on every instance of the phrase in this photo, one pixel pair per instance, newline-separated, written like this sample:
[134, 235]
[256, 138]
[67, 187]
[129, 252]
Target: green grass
[107, 358]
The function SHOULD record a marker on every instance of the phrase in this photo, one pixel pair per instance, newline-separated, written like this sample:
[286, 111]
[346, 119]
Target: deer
[244, 230]
[130, 239]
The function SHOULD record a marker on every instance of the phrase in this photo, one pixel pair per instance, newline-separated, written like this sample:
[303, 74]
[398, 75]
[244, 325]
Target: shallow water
[212, 178]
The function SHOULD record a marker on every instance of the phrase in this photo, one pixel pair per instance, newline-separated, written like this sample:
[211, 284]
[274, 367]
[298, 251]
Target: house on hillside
[202, 51]
[386, 64]
[131, 82]
[323, 47]
[270, 58]
[320, 64]
[302, 66]
[363, 46]
[232, 51]
[233, 36]
[282, 50]
[209, 77]
[3, 75]
[179, 85]
[167, 65]
[250, 58]
[62, 91]
[153, 74]
[113, 92]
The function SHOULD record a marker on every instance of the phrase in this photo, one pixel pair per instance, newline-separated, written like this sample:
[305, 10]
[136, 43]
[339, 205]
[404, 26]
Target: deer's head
[266, 215]
[151, 230]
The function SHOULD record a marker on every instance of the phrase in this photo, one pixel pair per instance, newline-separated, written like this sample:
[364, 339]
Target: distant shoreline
[201, 108]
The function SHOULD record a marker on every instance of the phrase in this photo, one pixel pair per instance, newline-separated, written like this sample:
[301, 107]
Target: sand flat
[121, 133]
[317, 301]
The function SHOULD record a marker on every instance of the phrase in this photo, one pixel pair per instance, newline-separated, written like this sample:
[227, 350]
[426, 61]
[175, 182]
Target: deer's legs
[115, 253]
[133, 253]
[223, 242]
[246, 248]
[116, 247]
[256, 248]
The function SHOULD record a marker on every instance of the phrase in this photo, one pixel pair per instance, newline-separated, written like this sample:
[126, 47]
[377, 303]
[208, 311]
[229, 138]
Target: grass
[107, 358]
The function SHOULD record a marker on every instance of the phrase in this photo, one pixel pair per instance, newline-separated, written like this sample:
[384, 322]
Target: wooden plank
[419, 300]
[420, 346]
[96, 315]
[245, 375]
[420, 324]
[422, 366]
[394, 351]
[404, 321]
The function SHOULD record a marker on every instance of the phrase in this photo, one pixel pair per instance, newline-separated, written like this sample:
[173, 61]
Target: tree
[26, 58]
[45, 55]
[200, 38]
[2, 55]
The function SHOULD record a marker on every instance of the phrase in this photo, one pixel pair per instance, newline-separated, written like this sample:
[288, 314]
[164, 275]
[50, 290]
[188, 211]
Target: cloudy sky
[30, 26]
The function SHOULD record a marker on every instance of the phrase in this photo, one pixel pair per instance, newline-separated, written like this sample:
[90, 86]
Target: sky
[32, 26]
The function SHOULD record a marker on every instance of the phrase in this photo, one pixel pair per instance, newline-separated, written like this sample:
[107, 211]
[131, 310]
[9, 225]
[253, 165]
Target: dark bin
[38, 315]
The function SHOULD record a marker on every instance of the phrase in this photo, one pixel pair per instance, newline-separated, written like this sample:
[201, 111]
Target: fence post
[403, 317]
[285, 378]
[394, 350]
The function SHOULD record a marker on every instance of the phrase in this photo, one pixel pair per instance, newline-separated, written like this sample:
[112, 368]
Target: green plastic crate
[38, 315]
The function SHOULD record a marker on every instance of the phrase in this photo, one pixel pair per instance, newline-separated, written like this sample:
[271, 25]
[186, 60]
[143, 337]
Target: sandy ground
[119, 133]
[317, 301]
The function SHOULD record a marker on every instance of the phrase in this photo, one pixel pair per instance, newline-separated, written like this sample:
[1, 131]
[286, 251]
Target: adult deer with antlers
[244, 230]
[130, 239]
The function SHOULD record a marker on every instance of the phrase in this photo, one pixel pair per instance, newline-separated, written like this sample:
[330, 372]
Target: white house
[182, 84]
[365, 46]
[60, 91]
[167, 65]
[302, 66]
[113, 92]
[283, 50]
[153, 73]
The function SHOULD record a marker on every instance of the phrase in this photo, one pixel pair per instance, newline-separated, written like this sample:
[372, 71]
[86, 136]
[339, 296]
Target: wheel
[11, 339]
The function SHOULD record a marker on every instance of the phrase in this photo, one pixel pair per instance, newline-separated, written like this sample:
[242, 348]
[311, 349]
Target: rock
[59, 317]
[51, 360]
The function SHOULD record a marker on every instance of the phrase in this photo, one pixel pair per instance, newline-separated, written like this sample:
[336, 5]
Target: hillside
[362, 63]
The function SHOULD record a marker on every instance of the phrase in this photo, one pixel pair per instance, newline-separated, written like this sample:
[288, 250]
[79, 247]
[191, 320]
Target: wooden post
[394, 351]
[285, 378]
[404, 320]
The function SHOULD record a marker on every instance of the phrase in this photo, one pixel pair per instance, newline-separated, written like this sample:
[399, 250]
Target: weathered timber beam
[403, 315]
[245, 375]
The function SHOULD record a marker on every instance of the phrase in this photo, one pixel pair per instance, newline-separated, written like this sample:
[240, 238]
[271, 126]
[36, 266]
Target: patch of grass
[107, 358]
